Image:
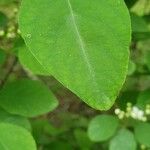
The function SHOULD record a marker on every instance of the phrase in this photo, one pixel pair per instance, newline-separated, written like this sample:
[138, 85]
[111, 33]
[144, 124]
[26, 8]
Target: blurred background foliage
[73, 125]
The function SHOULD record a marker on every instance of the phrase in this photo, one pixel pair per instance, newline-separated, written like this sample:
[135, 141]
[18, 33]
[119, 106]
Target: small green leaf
[124, 140]
[102, 127]
[27, 98]
[13, 137]
[142, 133]
[6, 117]
[80, 44]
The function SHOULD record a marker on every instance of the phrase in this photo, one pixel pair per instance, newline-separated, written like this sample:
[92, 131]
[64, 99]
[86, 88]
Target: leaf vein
[82, 46]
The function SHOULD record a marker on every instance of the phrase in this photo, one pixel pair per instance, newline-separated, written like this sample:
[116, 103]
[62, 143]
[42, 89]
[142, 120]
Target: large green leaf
[83, 44]
[13, 137]
[124, 140]
[28, 98]
[102, 127]
[142, 133]
[27, 60]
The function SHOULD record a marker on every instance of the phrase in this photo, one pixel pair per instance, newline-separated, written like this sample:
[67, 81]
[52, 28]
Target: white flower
[117, 111]
[136, 113]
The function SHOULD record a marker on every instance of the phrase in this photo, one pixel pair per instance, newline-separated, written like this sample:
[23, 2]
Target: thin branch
[9, 71]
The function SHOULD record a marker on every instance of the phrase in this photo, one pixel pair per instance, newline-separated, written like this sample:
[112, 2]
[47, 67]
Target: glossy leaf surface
[80, 44]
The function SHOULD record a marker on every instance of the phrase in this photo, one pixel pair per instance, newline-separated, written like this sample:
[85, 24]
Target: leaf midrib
[83, 47]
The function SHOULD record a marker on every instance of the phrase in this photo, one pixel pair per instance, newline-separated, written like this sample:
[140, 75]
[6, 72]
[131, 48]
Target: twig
[9, 71]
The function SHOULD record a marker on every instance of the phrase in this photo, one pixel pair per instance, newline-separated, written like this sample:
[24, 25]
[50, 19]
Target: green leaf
[27, 98]
[28, 60]
[82, 139]
[13, 137]
[124, 140]
[102, 127]
[6, 117]
[80, 44]
[142, 133]
[143, 99]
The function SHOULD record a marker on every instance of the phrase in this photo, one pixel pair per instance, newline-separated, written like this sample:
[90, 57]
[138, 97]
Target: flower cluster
[133, 112]
[11, 30]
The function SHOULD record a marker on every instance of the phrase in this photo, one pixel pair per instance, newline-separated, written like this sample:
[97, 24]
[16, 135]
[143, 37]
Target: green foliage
[99, 128]
[27, 98]
[124, 140]
[82, 139]
[28, 60]
[6, 117]
[13, 137]
[72, 47]
[143, 99]
[76, 51]
[142, 133]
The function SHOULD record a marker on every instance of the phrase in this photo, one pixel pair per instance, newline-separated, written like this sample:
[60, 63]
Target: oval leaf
[102, 127]
[15, 138]
[80, 44]
[124, 140]
[142, 133]
[27, 98]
